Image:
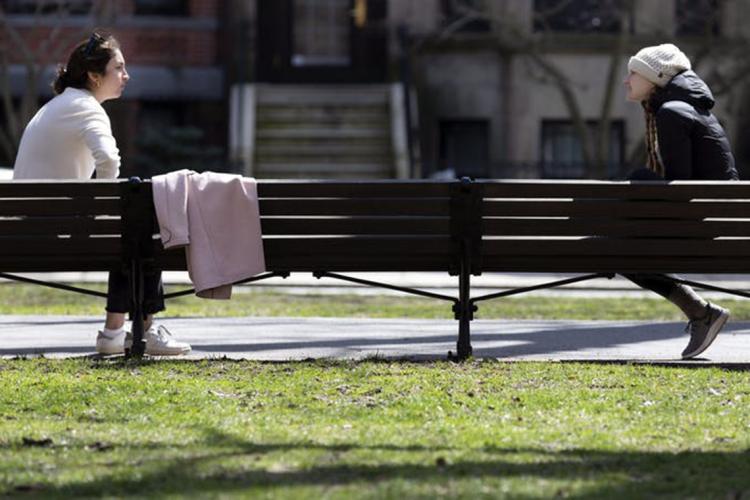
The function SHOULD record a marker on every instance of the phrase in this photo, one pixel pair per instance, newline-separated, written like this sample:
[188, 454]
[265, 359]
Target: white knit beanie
[660, 63]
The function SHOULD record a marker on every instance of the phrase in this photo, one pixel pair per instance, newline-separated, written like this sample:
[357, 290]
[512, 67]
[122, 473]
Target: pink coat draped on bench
[216, 218]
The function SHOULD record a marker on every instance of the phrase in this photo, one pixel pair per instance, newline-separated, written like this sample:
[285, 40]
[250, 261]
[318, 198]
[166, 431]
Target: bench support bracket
[378, 284]
[259, 277]
[462, 307]
[542, 286]
[705, 286]
[59, 286]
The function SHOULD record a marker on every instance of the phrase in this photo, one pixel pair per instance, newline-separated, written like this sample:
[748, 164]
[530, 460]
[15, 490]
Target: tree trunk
[598, 169]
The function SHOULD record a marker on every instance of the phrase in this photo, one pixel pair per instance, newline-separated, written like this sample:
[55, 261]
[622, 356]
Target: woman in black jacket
[684, 140]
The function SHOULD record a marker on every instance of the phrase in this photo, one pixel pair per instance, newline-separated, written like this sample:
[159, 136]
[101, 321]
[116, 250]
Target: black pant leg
[119, 293]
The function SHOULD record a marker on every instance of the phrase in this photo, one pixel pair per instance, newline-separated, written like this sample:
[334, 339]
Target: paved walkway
[301, 338]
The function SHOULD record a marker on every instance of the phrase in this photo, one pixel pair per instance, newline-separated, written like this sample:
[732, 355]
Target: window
[562, 152]
[468, 11]
[697, 17]
[74, 7]
[161, 8]
[578, 15]
[321, 33]
[464, 147]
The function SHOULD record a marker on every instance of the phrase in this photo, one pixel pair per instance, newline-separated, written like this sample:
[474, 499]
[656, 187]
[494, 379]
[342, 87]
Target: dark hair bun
[61, 81]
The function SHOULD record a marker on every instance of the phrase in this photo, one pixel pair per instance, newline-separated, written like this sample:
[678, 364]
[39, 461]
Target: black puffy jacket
[692, 143]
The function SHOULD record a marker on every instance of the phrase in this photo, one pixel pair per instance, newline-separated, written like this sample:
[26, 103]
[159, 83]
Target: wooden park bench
[463, 228]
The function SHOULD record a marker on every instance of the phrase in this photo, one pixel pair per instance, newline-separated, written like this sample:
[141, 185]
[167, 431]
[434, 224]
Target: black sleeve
[675, 145]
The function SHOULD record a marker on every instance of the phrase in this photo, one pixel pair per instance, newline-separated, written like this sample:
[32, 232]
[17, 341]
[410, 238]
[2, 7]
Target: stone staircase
[323, 132]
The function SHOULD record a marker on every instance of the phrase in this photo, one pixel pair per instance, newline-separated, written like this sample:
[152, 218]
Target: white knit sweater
[68, 138]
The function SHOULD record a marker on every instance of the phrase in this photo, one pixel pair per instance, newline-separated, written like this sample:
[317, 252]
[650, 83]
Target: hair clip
[91, 44]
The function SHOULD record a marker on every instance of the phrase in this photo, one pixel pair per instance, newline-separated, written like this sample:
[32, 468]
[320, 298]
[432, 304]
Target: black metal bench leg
[464, 311]
[136, 285]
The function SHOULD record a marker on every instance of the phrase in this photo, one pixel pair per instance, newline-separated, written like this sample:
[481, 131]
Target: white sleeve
[97, 133]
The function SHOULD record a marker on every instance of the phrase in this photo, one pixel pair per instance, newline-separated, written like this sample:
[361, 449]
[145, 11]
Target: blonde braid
[652, 142]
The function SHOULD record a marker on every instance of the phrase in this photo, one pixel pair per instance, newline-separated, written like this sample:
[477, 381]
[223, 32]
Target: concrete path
[302, 338]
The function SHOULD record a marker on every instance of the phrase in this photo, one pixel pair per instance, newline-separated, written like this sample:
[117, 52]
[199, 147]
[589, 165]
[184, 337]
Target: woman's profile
[684, 140]
[70, 137]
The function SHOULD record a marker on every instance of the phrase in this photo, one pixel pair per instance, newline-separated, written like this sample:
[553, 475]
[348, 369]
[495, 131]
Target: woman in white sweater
[70, 137]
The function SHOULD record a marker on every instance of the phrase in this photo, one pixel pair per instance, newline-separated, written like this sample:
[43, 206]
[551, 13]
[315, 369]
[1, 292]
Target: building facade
[400, 88]
[493, 85]
[173, 111]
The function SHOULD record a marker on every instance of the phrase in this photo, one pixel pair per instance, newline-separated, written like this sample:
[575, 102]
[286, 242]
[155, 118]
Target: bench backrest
[589, 226]
[354, 226]
[535, 226]
[58, 226]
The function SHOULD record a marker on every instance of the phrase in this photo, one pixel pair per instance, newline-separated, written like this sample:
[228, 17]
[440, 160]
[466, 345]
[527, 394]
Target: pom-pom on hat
[660, 63]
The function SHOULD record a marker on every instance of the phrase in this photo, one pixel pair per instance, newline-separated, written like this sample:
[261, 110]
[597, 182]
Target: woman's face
[111, 84]
[638, 88]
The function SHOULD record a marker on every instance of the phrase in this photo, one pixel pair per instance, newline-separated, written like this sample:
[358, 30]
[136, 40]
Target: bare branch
[569, 97]
[48, 18]
[602, 143]
[15, 36]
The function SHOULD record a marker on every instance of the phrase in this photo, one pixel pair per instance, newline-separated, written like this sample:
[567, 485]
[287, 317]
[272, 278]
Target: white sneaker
[160, 342]
[112, 342]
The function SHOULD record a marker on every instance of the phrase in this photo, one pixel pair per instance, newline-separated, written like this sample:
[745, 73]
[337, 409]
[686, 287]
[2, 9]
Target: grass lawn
[372, 429]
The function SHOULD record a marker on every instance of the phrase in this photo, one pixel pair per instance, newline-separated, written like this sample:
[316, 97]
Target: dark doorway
[321, 41]
[464, 147]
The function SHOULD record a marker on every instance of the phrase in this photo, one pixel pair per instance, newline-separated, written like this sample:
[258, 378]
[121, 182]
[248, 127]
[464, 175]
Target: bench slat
[51, 246]
[59, 225]
[603, 226]
[72, 188]
[364, 189]
[677, 190]
[616, 209]
[175, 261]
[60, 206]
[356, 225]
[552, 249]
[361, 245]
[358, 246]
[348, 207]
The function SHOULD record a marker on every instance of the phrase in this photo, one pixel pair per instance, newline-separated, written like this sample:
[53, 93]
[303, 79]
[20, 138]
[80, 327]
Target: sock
[688, 301]
[112, 333]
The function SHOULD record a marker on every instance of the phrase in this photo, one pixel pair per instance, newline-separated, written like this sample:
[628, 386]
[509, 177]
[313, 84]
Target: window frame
[614, 168]
[566, 23]
[143, 8]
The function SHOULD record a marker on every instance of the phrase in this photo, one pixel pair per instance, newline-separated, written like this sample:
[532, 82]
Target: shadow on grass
[231, 465]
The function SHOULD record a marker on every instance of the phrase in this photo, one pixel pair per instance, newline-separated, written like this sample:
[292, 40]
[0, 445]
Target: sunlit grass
[372, 429]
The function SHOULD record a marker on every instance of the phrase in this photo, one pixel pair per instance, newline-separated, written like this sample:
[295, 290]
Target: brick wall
[180, 41]
[169, 46]
[204, 8]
